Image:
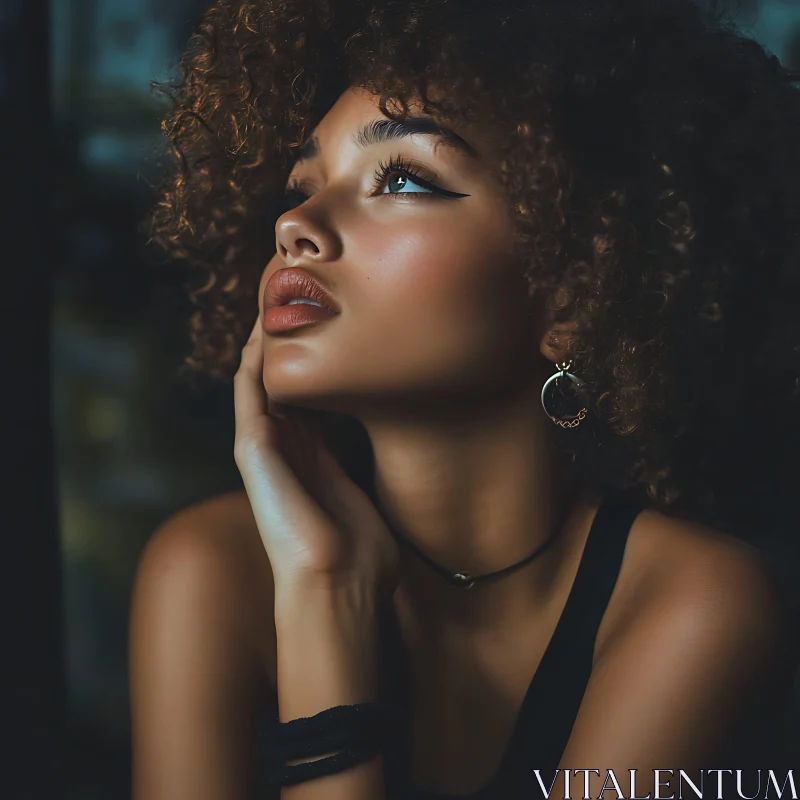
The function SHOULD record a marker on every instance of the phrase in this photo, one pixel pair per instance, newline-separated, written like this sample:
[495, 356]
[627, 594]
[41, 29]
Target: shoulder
[697, 646]
[201, 630]
[690, 589]
[207, 562]
[714, 574]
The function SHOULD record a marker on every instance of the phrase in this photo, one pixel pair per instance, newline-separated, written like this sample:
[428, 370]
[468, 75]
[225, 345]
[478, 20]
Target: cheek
[453, 281]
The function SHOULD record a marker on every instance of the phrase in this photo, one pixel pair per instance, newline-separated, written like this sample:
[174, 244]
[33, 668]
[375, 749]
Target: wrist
[320, 587]
[327, 647]
[351, 608]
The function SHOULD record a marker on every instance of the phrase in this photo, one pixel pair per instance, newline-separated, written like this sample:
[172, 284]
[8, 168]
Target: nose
[301, 238]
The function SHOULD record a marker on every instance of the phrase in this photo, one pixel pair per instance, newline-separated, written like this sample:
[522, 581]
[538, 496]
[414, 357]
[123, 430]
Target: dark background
[132, 443]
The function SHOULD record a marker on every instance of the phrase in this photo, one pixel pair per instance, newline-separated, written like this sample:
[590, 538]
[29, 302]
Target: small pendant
[464, 580]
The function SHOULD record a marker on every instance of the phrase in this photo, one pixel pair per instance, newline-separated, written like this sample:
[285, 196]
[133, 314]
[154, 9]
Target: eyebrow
[384, 130]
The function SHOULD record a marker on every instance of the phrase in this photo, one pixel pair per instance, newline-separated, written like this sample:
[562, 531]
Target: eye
[386, 175]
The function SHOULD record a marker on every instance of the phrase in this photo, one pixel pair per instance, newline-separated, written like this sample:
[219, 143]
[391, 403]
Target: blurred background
[134, 444]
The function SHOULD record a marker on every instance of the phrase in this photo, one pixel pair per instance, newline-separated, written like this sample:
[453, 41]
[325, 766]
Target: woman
[502, 453]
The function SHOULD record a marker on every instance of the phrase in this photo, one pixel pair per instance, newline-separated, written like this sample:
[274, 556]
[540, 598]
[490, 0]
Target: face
[419, 260]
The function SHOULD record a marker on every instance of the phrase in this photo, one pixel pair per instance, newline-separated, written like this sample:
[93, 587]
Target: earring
[564, 397]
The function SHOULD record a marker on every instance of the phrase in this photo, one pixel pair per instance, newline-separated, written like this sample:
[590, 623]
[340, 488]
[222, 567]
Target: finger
[256, 426]
[281, 505]
[275, 494]
[277, 433]
[249, 396]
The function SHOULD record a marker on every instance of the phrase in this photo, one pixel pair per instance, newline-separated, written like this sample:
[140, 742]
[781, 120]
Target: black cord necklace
[466, 581]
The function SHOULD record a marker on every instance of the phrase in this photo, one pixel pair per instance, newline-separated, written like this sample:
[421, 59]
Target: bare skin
[479, 484]
[211, 556]
[435, 317]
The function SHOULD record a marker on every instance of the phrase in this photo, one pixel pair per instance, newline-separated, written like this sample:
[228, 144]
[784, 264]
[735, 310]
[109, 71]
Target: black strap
[551, 703]
[556, 691]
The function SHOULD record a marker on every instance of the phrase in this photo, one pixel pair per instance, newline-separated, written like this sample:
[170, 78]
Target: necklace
[464, 580]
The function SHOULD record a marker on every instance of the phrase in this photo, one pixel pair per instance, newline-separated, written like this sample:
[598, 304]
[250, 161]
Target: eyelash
[397, 165]
[402, 167]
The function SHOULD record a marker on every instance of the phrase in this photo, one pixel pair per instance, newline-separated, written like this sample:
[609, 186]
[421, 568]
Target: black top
[551, 703]
[548, 711]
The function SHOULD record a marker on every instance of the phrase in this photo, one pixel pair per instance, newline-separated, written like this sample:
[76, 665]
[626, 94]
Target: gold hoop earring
[564, 397]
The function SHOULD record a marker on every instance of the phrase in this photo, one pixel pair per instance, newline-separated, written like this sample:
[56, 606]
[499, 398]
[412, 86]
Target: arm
[330, 553]
[327, 656]
[681, 680]
[195, 684]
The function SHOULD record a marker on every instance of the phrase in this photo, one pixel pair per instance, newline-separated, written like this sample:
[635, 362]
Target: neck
[477, 489]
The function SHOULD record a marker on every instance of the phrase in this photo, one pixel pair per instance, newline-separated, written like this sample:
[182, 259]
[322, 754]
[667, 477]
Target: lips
[295, 283]
[281, 316]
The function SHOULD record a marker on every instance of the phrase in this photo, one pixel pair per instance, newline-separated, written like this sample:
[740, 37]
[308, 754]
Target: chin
[298, 388]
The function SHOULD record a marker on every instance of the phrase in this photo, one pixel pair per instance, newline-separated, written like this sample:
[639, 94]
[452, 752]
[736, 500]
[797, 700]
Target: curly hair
[649, 153]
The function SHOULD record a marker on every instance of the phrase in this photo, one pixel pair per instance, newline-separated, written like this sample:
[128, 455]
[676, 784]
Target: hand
[315, 522]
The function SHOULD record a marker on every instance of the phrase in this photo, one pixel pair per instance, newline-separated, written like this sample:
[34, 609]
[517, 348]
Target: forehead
[353, 103]
[356, 110]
